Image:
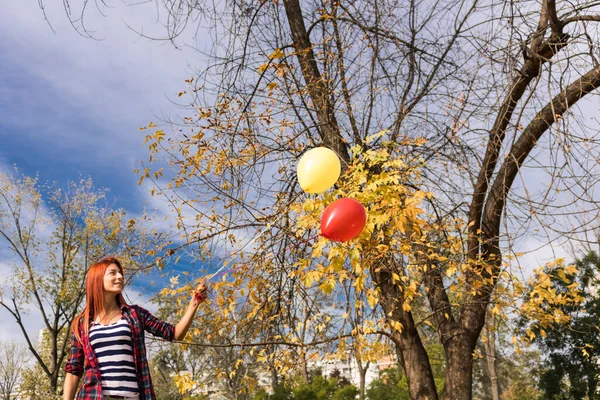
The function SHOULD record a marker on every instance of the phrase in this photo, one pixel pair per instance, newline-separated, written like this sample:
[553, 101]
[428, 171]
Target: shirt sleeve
[75, 362]
[156, 326]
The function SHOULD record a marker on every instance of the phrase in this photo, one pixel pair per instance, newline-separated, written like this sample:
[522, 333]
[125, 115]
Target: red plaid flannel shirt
[82, 360]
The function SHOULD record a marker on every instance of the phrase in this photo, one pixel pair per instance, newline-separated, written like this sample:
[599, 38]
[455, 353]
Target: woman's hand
[199, 294]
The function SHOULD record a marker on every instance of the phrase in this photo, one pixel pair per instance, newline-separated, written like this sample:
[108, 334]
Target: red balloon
[343, 220]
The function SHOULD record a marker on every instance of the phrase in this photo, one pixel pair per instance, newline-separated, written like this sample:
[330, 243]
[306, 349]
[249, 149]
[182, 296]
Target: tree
[54, 235]
[518, 371]
[570, 368]
[175, 365]
[13, 360]
[280, 392]
[479, 90]
[318, 387]
[347, 392]
[523, 374]
[390, 385]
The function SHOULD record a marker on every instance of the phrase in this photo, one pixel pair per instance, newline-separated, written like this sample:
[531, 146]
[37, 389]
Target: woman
[107, 341]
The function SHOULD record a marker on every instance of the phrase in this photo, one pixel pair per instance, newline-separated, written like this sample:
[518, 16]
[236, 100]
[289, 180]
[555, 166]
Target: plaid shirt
[83, 359]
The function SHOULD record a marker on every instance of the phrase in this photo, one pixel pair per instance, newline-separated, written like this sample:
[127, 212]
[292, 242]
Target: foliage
[522, 371]
[175, 367]
[386, 181]
[391, 385]
[35, 388]
[320, 387]
[183, 369]
[347, 392]
[281, 392]
[35, 384]
[317, 388]
[572, 350]
[518, 372]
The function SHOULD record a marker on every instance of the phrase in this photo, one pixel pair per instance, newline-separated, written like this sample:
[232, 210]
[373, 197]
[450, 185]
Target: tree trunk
[304, 367]
[272, 370]
[274, 379]
[459, 365]
[490, 355]
[54, 360]
[409, 347]
[361, 388]
[362, 371]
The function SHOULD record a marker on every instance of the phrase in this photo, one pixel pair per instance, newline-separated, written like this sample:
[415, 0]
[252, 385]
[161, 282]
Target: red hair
[94, 294]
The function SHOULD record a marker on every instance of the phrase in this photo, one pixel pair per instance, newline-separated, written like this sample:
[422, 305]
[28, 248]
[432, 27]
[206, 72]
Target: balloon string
[221, 271]
[269, 225]
[218, 272]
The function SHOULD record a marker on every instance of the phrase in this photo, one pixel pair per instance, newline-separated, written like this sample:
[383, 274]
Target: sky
[71, 106]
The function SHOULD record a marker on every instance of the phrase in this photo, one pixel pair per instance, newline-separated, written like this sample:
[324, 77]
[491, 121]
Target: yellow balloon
[318, 170]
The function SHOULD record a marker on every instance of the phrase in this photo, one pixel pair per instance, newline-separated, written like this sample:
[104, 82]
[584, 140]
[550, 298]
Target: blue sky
[71, 106]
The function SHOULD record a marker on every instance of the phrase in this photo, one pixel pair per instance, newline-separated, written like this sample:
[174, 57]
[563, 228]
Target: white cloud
[119, 82]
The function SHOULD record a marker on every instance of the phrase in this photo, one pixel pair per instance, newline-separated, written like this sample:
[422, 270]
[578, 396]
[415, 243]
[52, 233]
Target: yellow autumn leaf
[184, 382]
[396, 325]
[277, 54]
[584, 351]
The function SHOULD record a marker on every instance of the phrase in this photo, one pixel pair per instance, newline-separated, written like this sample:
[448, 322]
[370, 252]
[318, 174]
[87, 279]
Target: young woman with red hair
[107, 341]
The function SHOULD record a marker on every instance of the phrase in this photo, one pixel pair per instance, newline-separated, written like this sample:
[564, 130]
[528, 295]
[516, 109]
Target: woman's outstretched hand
[200, 293]
[198, 296]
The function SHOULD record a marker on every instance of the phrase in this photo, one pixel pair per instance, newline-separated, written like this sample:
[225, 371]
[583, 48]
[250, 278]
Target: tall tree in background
[571, 352]
[517, 371]
[52, 236]
[484, 94]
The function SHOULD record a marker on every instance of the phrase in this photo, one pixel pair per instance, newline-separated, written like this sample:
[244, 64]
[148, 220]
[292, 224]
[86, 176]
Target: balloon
[343, 220]
[318, 170]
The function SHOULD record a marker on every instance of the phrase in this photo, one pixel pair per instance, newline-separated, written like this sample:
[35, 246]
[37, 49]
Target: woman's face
[113, 280]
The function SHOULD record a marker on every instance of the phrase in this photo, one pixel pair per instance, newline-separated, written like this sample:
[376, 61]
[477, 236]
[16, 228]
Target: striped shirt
[114, 350]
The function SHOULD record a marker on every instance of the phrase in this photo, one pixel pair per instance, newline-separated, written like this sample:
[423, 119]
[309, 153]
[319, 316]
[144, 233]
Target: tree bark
[459, 364]
[490, 355]
[362, 371]
[409, 347]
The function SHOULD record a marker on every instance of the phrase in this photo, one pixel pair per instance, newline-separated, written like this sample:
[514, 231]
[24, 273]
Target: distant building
[348, 368]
